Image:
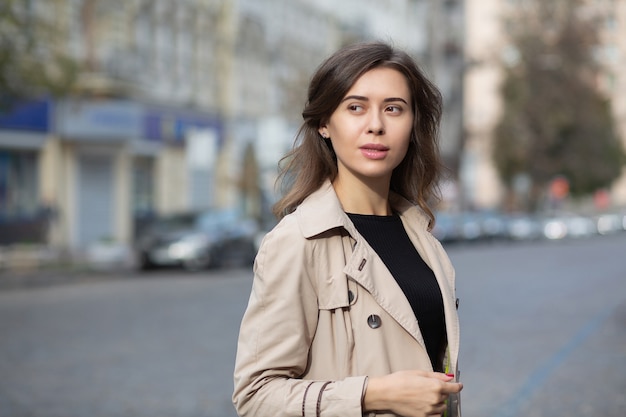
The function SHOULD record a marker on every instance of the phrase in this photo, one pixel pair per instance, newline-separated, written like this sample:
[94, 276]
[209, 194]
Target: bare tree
[555, 121]
[33, 61]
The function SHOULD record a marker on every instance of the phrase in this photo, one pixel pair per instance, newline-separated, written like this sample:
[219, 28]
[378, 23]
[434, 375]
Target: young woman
[353, 305]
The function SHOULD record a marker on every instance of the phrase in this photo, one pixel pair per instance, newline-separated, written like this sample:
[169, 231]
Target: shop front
[24, 213]
[91, 170]
[185, 169]
[78, 173]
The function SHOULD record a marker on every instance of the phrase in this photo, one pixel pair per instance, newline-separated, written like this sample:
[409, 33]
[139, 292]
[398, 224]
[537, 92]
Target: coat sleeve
[276, 332]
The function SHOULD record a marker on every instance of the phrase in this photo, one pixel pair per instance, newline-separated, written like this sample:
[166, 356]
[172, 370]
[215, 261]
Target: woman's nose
[376, 125]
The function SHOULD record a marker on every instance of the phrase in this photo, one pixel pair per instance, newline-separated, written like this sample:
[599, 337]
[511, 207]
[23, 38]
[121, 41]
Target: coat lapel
[367, 269]
[430, 250]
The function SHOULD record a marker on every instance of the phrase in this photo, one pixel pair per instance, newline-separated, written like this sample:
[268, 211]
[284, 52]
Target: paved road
[544, 334]
[544, 329]
[156, 346]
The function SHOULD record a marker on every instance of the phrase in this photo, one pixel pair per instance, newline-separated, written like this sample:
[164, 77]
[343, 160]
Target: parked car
[198, 240]
[554, 227]
[523, 226]
[579, 225]
[492, 224]
[608, 223]
[446, 228]
[470, 226]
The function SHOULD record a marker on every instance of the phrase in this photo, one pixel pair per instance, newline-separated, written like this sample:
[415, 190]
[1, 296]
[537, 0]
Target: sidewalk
[28, 266]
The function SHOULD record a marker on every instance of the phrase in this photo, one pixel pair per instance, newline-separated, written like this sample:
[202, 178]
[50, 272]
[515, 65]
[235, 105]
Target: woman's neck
[359, 197]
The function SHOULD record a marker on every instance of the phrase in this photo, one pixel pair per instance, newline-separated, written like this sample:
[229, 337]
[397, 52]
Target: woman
[341, 283]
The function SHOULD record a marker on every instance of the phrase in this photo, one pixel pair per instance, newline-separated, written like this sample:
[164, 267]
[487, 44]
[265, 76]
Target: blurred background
[115, 113]
[140, 135]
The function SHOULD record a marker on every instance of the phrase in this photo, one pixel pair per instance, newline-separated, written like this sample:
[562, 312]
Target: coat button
[350, 296]
[374, 321]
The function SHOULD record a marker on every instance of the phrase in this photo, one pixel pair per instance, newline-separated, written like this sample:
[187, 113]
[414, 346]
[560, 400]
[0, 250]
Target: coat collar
[321, 211]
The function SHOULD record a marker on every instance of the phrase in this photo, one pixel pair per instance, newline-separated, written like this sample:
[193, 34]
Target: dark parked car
[523, 226]
[447, 227]
[198, 240]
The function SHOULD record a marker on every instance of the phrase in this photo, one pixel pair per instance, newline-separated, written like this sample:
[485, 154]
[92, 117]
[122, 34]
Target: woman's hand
[410, 393]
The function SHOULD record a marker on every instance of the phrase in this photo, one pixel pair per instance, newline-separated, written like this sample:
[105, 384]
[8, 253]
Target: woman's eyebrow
[363, 98]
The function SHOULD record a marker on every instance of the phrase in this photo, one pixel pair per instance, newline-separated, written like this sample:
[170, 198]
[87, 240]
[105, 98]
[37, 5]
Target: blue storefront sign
[117, 120]
[33, 116]
[170, 125]
[108, 120]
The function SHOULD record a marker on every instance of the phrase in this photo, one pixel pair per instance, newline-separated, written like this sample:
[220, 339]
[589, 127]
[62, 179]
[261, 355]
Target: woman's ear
[323, 130]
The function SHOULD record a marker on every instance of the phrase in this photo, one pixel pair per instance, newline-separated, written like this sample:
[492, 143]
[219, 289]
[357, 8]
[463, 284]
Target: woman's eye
[355, 107]
[394, 109]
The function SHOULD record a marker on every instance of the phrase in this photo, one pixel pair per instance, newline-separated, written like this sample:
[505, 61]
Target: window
[143, 186]
[18, 184]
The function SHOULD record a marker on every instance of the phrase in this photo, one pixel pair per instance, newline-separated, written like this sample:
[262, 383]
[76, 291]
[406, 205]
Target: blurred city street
[543, 334]
[139, 147]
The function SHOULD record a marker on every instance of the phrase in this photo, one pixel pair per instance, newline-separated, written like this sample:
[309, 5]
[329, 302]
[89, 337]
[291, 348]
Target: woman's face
[370, 129]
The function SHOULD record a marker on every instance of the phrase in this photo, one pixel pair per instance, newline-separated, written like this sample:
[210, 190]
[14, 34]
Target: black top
[386, 235]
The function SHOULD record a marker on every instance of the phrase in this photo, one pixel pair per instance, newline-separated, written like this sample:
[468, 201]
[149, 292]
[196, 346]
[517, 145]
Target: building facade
[612, 57]
[172, 95]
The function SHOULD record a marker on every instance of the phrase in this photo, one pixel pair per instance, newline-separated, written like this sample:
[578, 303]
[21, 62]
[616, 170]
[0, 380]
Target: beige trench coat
[305, 346]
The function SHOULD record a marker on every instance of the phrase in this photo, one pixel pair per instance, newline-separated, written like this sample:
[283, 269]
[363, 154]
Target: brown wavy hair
[312, 160]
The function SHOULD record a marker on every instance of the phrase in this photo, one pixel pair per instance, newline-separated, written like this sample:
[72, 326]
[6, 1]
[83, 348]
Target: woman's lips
[374, 151]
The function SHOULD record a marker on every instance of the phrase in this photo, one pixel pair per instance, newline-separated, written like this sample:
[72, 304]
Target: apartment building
[172, 93]
[612, 56]
[125, 145]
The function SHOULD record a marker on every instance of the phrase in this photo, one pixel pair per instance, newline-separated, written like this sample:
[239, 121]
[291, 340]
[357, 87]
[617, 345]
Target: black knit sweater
[386, 235]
